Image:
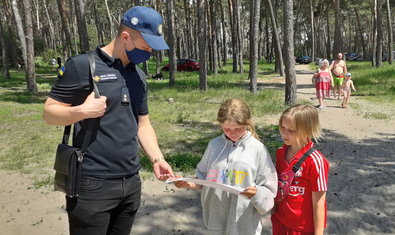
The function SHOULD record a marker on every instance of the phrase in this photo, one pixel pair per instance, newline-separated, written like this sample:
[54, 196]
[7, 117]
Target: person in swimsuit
[338, 68]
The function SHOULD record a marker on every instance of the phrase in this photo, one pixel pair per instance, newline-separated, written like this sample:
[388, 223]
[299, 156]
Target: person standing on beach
[339, 69]
[303, 210]
[110, 187]
[347, 86]
[323, 81]
[236, 158]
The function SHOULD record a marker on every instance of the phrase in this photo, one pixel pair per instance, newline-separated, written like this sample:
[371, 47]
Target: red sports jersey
[296, 210]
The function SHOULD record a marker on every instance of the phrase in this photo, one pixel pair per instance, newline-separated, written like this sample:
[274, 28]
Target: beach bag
[313, 79]
[68, 160]
[285, 178]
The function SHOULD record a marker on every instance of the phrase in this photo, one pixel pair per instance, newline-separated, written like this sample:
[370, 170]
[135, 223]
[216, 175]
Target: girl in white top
[235, 158]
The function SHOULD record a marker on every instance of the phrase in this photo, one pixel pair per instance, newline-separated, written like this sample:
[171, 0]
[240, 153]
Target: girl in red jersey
[303, 211]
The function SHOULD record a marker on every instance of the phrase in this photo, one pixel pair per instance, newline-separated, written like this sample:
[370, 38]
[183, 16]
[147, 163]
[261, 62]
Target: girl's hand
[249, 192]
[184, 184]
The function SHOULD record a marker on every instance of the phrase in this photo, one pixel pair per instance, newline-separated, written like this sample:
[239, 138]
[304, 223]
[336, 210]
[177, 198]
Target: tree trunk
[267, 52]
[390, 35]
[234, 35]
[187, 29]
[328, 42]
[37, 13]
[290, 76]
[338, 38]
[209, 46]
[81, 23]
[379, 44]
[3, 42]
[374, 58]
[50, 26]
[63, 17]
[157, 61]
[100, 37]
[364, 51]
[202, 24]
[224, 47]
[30, 66]
[279, 55]
[239, 34]
[254, 26]
[109, 20]
[20, 30]
[213, 4]
[172, 41]
[312, 31]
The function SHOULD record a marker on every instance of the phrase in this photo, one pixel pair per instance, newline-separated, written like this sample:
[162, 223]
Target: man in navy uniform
[110, 186]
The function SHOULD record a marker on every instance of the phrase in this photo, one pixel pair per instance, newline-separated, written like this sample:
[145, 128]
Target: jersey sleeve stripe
[318, 169]
[319, 164]
[322, 172]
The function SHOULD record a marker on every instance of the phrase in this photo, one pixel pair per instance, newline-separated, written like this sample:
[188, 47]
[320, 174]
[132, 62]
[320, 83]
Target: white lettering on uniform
[110, 76]
[296, 190]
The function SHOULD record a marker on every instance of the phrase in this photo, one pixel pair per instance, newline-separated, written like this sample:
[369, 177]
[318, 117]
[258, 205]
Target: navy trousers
[105, 206]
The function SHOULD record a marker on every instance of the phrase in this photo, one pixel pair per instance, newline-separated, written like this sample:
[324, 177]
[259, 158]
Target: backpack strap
[91, 122]
[297, 165]
[92, 69]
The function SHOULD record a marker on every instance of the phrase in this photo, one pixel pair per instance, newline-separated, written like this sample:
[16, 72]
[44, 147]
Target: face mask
[137, 56]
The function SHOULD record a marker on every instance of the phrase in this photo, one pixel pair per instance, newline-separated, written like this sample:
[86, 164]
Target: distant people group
[335, 77]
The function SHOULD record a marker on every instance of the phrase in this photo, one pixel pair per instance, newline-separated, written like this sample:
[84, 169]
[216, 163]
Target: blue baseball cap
[348, 74]
[149, 23]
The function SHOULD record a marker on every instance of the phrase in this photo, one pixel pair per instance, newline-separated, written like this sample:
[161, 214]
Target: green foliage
[39, 46]
[377, 83]
[184, 162]
[48, 54]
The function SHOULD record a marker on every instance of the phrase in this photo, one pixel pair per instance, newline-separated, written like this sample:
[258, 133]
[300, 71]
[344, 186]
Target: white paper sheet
[223, 187]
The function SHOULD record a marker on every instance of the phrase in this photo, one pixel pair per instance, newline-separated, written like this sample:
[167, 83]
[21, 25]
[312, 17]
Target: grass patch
[378, 116]
[377, 84]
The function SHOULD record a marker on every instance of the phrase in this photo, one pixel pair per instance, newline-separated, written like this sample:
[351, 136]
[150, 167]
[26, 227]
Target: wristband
[158, 159]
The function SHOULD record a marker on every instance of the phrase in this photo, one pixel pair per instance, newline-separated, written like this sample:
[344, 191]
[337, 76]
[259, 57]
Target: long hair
[306, 121]
[237, 111]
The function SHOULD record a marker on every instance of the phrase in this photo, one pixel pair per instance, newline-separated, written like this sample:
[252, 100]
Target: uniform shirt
[113, 149]
[296, 210]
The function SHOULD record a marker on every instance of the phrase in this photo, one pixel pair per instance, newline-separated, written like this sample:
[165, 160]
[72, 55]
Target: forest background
[242, 47]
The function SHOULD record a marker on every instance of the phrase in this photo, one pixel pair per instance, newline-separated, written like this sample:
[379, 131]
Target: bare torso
[338, 67]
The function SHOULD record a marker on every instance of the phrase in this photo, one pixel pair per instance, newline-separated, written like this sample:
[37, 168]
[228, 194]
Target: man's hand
[94, 107]
[162, 170]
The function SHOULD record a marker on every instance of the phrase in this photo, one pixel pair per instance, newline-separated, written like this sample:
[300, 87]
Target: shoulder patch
[61, 72]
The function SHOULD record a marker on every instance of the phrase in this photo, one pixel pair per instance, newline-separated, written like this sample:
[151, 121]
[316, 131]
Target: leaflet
[223, 187]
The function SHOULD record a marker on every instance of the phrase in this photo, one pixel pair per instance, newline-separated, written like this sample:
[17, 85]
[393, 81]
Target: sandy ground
[361, 195]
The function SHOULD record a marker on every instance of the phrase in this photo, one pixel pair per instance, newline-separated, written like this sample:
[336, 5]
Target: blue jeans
[105, 206]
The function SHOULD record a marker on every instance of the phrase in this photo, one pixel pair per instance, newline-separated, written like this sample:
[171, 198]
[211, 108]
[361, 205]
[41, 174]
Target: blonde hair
[306, 121]
[237, 111]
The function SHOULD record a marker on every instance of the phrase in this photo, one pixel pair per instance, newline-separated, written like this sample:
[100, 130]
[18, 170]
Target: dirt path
[361, 196]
